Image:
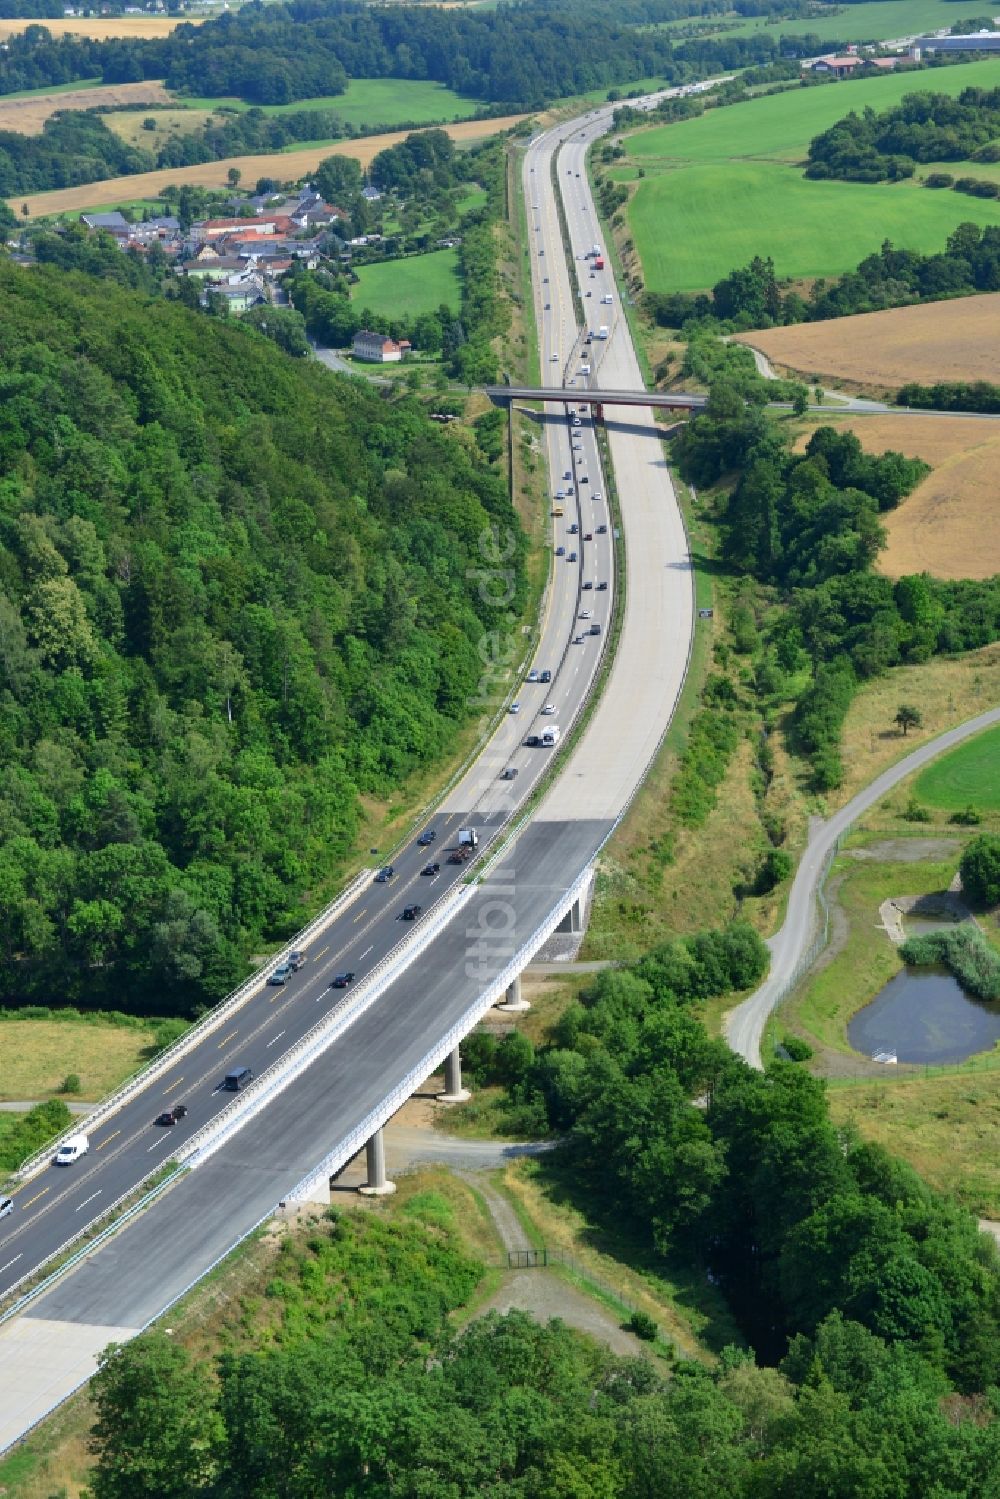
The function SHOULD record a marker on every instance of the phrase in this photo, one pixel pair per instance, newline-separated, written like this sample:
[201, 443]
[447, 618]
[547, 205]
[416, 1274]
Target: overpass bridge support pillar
[453, 1090]
[378, 1184]
[573, 920]
[513, 1002]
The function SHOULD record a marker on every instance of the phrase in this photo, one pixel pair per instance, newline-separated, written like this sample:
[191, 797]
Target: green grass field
[406, 288]
[59, 88]
[968, 776]
[870, 22]
[372, 101]
[727, 186]
[694, 226]
[781, 126]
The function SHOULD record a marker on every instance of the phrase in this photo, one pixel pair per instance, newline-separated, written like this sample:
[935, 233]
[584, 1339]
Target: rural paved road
[789, 944]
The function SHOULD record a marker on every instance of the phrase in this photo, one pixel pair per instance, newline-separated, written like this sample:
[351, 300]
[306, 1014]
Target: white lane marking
[11, 1262]
[277, 1038]
[157, 1143]
[89, 1199]
[366, 952]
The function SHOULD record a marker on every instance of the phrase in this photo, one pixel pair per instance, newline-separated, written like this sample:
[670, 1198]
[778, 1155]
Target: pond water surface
[924, 1015]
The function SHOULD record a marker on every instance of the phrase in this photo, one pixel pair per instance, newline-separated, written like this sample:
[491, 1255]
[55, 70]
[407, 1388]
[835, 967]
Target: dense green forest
[871, 147]
[234, 593]
[752, 296]
[516, 56]
[871, 1304]
[806, 528]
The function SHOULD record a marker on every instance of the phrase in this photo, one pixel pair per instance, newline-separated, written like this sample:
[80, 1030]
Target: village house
[376, 348]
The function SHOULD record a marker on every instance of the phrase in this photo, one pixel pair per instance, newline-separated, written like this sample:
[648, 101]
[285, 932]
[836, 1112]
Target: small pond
[924, 1016]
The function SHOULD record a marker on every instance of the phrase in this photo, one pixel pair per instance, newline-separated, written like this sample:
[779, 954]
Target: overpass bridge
[569, 395]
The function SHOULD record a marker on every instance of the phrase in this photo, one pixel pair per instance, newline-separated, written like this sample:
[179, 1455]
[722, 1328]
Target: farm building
[376, 348]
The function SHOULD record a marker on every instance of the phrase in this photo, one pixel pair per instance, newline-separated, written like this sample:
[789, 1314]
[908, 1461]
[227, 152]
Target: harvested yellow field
[27, 116]
[937, 341]
[950, 525]
[283, 166]
[101, 28]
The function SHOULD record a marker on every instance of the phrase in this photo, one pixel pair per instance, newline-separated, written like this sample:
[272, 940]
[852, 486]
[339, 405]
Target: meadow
[877, 20]
[726, 186]
[694, 225]
[968, 776]
[781, 126]
[370, 101]
[407, 288]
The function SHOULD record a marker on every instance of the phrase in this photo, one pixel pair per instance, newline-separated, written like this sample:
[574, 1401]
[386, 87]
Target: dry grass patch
[129, 127]
[27, 116]
[37, 1054]
[950, 525]
[947, 692]
[100, 29]
[283, 166]
[946, 1127]
[937, 341]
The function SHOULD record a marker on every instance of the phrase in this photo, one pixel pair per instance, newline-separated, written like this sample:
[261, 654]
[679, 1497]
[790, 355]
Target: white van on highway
[75, 1147]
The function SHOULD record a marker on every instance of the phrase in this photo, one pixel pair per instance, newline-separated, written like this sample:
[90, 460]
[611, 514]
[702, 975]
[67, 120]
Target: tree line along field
[949, 526]
[284, 166]
[722, 188]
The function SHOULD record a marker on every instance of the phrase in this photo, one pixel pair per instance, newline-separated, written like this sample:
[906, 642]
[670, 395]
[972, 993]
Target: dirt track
[29, 115]
[284, 166]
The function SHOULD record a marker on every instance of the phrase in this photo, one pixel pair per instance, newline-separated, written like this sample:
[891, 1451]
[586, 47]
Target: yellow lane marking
[109, 1138]
[34, 1199]
[176, 1083]
[226, 1039]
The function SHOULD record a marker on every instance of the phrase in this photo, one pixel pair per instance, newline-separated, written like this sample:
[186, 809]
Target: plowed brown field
[283, 166]
[27, 116]
[950, 525]
[937, 341]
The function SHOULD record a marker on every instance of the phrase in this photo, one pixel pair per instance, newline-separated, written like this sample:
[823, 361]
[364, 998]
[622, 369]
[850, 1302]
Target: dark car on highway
[427, 838]
[410, 913]
[533, 741]
[384, 874]
[341, 980]
[508, 774]
[172, 1116]
[431, 869]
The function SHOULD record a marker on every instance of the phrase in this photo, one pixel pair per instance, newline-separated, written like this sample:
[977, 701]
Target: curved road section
[397, 1035]
[789, 945]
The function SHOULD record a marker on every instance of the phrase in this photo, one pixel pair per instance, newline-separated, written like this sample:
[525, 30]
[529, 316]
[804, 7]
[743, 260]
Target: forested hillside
[234, 593]
[520, 55]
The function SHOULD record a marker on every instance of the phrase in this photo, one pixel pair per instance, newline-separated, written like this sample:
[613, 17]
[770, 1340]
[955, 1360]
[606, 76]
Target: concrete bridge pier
[573, 920]
[378, 1184]
[513, 1002]
[453, 1090]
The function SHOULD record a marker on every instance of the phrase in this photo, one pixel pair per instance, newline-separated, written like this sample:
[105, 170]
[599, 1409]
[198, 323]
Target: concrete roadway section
[745, 1025]
[142, 1269]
